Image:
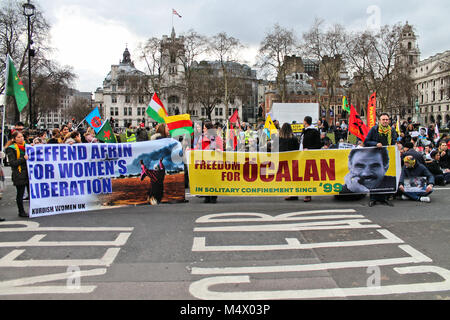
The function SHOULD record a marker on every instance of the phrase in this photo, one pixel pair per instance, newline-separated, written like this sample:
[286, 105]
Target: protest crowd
[424, 153]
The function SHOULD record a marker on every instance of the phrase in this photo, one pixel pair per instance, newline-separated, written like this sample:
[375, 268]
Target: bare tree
[278, 43]
[374, 57]
[50, 84]
[327, 46]
[207, 87]
[50, 81]
[78, 109]
[225, 50]
[195, 45]
[150, 52]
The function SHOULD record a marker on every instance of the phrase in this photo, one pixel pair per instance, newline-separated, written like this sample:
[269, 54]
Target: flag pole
[3, 103]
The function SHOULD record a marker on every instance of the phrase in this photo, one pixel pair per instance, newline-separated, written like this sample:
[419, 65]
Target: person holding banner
[310, 139]
[379, 136]
[17, 158]
[288, 142]
[208, 142]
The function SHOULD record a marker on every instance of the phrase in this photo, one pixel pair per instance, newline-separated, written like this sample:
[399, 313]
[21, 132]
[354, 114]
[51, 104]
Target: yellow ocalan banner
[312, 172]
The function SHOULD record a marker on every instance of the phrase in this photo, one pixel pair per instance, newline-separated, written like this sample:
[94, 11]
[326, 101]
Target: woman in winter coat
[17, 158]
[208, 142]
[288, 142]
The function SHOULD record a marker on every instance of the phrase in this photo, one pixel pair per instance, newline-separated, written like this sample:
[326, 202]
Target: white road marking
[200, 289]
[35, 241]
[199, 244]
[415, 257]
[9, 261]
[324, 225]
[261, 217]
[21, 286]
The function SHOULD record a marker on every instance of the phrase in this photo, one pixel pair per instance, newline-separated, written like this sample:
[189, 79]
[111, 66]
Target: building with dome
[125, 94]
[127, 91]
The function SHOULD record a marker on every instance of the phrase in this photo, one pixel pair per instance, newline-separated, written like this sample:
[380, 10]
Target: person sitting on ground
[445, 158]
[419, 181]
[408, 150]
[441, 178]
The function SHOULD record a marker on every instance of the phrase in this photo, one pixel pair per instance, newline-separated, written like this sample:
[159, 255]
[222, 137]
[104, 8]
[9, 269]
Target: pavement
[239, 248]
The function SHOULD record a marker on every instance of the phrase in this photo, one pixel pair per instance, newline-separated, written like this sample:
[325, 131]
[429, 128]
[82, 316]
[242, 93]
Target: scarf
[20, 151]
[385, 132]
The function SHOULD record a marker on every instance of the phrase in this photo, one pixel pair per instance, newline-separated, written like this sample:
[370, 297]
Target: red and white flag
[175, 12]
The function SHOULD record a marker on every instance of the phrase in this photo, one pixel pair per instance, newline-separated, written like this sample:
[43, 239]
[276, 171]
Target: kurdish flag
[345, 105]
[156, 109]
[106, 133]
[14, 86]
[179, 125]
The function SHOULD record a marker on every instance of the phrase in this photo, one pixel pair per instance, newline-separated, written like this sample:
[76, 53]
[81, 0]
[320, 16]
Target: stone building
[126, 91]
[124, 96]
[431, 76]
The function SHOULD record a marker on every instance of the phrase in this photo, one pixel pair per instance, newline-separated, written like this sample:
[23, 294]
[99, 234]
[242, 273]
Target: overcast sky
[91, 35]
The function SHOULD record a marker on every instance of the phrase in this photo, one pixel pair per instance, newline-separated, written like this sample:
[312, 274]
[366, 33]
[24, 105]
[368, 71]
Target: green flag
[106, 133]
[14, 85]
[345, 105]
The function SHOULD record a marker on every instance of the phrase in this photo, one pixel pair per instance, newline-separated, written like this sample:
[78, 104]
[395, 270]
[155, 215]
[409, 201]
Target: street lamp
[28, 11]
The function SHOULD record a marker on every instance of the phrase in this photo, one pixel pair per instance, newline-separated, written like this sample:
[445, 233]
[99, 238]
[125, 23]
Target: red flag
[356, 126]
[235, 117]
[372, 111]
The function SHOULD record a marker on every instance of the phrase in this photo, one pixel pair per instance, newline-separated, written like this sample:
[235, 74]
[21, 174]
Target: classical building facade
[124, 96]
[126, 91]
[431, 77]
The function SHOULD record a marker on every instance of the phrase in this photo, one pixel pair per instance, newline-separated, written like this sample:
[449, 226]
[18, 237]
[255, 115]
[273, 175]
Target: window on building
[203, 112]
[127, 99]
[111, 113]
[114, 88]
[174, 99]
[113, 99]
[141, 99]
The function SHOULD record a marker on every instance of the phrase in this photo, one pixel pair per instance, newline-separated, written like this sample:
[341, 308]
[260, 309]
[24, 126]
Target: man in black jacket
[416, 174]
[408, 150]
[379, 136]
[310, 139]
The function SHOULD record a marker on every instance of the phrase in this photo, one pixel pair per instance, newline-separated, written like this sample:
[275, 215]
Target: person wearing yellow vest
[17, 158]
[131, 135]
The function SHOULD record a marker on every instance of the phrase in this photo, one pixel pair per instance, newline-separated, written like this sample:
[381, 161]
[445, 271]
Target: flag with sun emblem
[14, 85]
[106, 133]
[94, 120]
